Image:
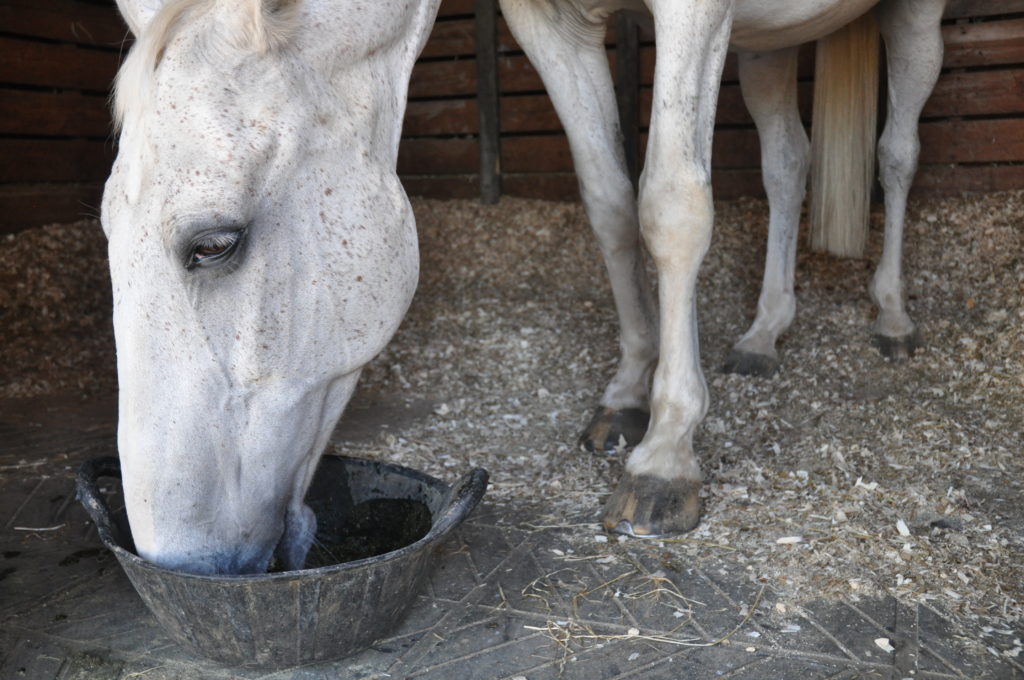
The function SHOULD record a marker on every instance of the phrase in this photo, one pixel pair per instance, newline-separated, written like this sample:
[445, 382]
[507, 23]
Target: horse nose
[244, 560]
[244, 563]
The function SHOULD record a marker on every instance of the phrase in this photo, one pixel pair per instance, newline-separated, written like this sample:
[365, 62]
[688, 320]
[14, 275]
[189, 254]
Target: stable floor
[852, 505]
[514, 595]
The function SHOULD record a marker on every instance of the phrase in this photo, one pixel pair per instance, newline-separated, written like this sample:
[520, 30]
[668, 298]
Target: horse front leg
[768, 81]
[913, 45]
[567, 49]
[660, 489]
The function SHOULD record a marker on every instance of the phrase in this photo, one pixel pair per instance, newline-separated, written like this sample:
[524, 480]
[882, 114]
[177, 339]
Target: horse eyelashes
[211, 249]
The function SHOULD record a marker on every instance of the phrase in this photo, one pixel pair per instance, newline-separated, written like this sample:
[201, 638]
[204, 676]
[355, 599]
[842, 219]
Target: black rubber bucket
[277, 620]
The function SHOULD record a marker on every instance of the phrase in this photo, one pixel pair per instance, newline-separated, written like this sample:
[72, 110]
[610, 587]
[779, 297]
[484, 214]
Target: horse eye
[212, 248]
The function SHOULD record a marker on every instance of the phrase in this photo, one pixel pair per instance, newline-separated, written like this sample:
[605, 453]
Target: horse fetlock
[630, 387]
[613, 431]
[650, 506]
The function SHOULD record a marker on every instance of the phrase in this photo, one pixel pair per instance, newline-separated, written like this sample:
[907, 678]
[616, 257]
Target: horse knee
[675, 218]
[897, 158]
[785, 168]
[611, 209]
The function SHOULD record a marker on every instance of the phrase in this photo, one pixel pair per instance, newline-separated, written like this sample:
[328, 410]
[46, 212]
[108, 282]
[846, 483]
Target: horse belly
[764, 25]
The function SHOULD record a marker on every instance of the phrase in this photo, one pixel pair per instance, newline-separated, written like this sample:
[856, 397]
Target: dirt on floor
[844, 475]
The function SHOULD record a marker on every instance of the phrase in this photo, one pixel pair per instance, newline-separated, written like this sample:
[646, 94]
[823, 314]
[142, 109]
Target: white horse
[658, 493]
[262, 249]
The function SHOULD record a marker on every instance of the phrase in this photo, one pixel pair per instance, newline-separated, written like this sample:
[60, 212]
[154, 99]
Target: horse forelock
[253, 25]
[134, 83]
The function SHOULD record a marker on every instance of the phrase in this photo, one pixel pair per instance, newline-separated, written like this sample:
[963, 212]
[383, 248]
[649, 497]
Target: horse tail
[843, 137]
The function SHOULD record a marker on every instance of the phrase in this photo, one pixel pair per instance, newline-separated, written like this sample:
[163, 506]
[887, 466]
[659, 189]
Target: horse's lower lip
[253, 620]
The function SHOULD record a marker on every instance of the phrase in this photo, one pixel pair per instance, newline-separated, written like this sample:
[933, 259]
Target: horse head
[262, 251]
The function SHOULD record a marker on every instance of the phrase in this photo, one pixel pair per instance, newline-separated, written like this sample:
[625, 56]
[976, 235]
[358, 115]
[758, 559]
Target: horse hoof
[650, 507]
[612, 431]
[898, 348]
[750, 363]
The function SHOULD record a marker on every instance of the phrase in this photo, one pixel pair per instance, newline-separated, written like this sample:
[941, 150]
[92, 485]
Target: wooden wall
[972, 133]
[58, 58]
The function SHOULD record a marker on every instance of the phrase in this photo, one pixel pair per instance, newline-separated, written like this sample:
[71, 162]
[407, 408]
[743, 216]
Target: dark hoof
[749, 363]
[898, 348]
[612, 431]
[650, 507]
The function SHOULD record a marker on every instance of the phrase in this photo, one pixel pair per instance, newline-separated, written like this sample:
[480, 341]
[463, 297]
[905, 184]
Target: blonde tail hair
[843, 137]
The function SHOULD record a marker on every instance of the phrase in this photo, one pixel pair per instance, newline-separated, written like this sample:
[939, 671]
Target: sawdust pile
[56, 334]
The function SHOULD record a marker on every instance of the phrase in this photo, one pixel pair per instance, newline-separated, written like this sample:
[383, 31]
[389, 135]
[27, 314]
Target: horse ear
[138, 13]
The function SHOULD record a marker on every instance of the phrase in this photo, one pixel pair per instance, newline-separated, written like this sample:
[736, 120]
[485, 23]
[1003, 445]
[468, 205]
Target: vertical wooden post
[627, 88]
[488, 98]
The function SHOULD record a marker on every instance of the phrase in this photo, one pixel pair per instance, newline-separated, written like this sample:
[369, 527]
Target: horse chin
[299, 530]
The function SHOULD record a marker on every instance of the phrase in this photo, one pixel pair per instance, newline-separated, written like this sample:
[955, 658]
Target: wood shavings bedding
[902, 478]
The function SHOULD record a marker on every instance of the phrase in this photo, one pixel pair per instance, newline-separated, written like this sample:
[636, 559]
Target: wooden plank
[24, 206]
[733, 148]
[990, 43]
[442, 186]
[455, 7]
[437, 117]
[451, 38]
[730, 71]
[454, 37]
[960, 9]
[31, 62]
[944, 141]
[440, 156]
[457, 37]
[67, 114]
[951, 180]
[83, 23]
[535, 113]
[977, 93]
[967, 45]
[443, 79]
[529, 113]
[931, 180]
[451, 78]
[972, 141]
[488, 101]
[563, 186]
[54, 160]
[547, 186]
[627, 90]
[732, 110]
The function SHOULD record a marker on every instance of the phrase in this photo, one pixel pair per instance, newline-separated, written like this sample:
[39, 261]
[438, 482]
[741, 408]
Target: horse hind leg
[913, 42]
[769, 85]
[571, 59]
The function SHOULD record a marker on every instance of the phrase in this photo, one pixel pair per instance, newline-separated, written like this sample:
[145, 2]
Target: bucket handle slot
[464, 497]
[87, 490]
